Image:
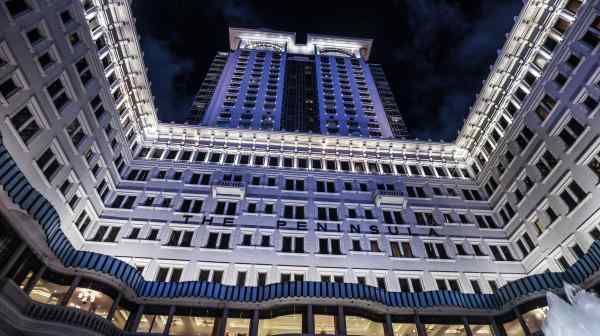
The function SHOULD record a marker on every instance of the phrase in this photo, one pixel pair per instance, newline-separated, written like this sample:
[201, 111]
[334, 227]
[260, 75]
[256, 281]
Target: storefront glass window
[51, 288]
[281, 325]
[360, 326]
[481, 330]
[445, 329]
[513, 328]
[534, 319]
[324, 324]
[120, 317]
[152, 323]
[192, 325]
[405, 329]
[91, 300]
[237, 327]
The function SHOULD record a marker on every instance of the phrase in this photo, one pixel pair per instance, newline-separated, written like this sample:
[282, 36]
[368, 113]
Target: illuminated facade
[241, 226]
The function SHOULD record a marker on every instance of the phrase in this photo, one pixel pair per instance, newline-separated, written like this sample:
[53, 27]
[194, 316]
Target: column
[254, 323]
[12, 260]
[522, 322]
[420, 327]
[497, 331]
[308, 321]
[340, 322]
[113, 307]
[388, 328]
[69, 293]
[34, 279]
[134, 319]
[467, 328]
[222, 322]
[169, 321]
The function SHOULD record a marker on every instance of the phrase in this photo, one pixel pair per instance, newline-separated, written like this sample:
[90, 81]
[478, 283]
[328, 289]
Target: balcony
[229, 189]
[389, 198]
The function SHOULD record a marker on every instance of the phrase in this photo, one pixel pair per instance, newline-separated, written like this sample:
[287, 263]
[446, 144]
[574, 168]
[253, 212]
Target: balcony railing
[229, 189]
[389, 197]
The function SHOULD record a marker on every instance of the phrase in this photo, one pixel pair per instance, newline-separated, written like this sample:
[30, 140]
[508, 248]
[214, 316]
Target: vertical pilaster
[420, 327]
[72, 288]
[340, 322]
[169, 321]
[308, 321]
[254, 323]
[222, 322]
[36, 277]
[388, 328]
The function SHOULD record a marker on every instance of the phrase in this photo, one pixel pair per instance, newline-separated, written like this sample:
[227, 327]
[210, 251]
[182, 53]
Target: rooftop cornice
[518, 49]
[185, 135]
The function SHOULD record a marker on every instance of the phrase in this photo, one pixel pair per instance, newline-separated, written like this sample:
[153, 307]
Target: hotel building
[291, 202]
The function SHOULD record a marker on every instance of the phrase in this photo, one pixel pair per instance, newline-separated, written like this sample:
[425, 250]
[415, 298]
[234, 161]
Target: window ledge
[294, 254]
[330, 255]
[180, 248]
[405, 258]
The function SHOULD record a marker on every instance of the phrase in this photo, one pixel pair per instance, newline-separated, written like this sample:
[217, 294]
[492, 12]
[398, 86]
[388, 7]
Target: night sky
[435, 53]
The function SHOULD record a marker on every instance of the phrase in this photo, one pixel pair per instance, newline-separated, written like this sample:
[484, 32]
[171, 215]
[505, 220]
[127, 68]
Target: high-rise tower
[324, 86]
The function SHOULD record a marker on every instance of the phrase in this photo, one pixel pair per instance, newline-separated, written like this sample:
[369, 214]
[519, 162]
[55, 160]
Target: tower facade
[114, 223]
[324, 86]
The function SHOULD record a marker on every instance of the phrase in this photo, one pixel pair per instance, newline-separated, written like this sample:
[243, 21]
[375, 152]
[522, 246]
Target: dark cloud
[436, 53]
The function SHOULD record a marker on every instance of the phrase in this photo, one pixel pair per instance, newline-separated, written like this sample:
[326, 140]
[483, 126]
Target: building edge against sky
[190, 229]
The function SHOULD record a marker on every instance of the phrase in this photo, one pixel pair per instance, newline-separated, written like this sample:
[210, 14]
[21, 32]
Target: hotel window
[485, 222]
[289, 277]
[265, 240]
[330, 214]
[476, 287]
[571, 132]
[525, 244]
[169, 274]
[447, 284]
[590, 104]
[218, 240]
[48, 164]
[180, 238]
[471, 195]
[546, 106]
[507, 213]
[594, 165]
[552, 216]
[546, 163]
[123, 202]
[381, 282]
[46, 60]
[572, 195]
[408, 285]
[137, 175]
[501, 253]
[107, 234]
[374, 245]
[293, 212]
[326, 186]
[261, 279]
[153, 234]
[401, 249]
[330, 246]
[477, 250]
[241, 279]
[436, 251]
[76, 132]
[560, 80]
[26, 125]
[295, 185]
[524, 137]
[460, 249]
[58, 94]
[416, 192]
[207, 275]
[591, 38]
[17, 7]
[82, 222]
[84, 71]
[425, 218]
[292, 244]
[392, 217]
[226, 208]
